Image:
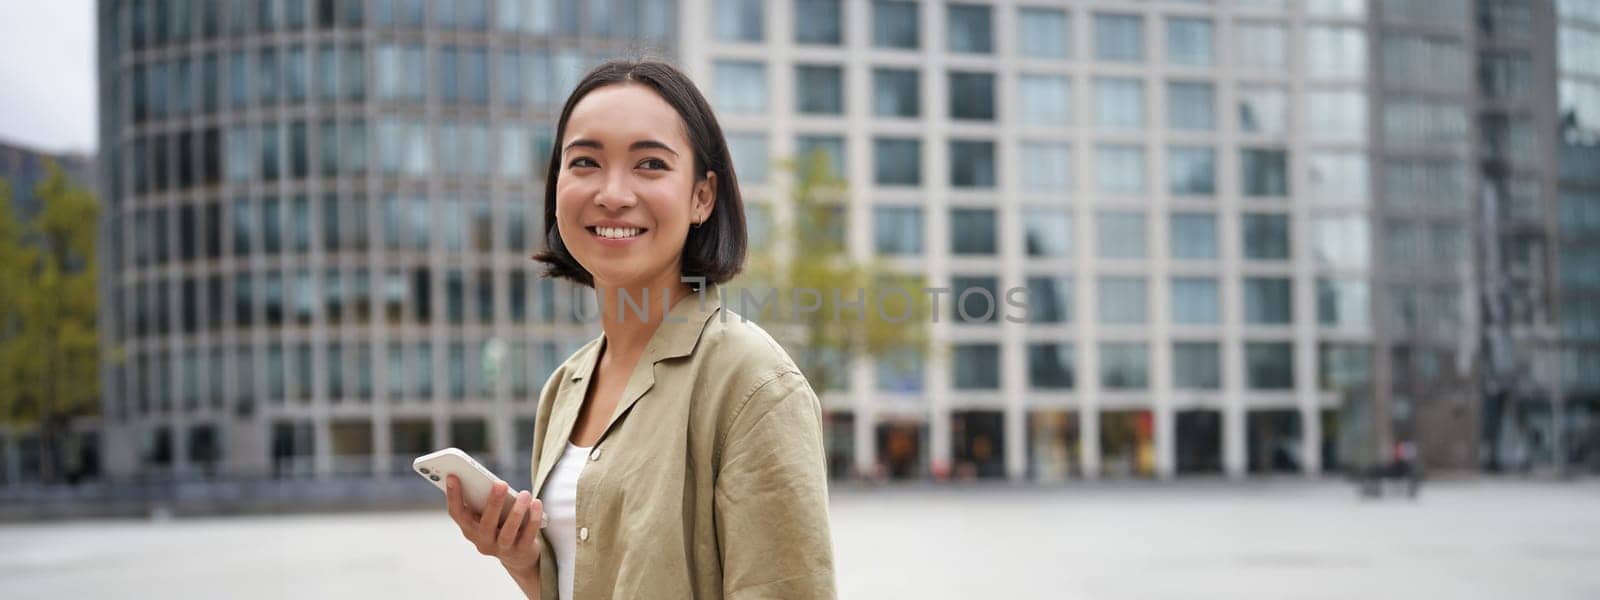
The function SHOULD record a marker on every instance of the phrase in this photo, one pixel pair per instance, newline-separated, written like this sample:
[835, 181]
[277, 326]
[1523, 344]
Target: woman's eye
[653, 163]
[582, 161]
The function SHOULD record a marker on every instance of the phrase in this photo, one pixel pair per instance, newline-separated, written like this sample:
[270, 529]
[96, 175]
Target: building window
[977, 299]
[972, 164]
[1122, 301]
[1435, 63]
[742, 86]
[1263, 109]
[1338, 177]
[1049, 299]
[1264, 172]
[1266, 236]
[1344, 366]
[972, 231]
[1050, 366]
[1191, 171]
[895, 93]
[969, 28]
[820, 23]
[975, 367]
[1336, 52]
[1341, 241]
[1267, 301]
[1434, 185]
[897, 229]
[1046, 167]
[897, 161]
[1195, 301]
[1506, 73]
[1269, 365]
[819, 89]
[1118, 38]
[1119, 169]
[1045, 100]
[831, 148]
[1124, 365]
[1417, 121]
[900, 371]
[1343, 303]
[1042, 33]
[1196, 366]
[1118, 103]
[740, 20]
[750, 156]
[894, 24]
[972, 96]
[1047, 232]
[1193, 236]
[1337, 116]
[1189, 41]
[1261, 45]
[1191, 106]
[1120, 235]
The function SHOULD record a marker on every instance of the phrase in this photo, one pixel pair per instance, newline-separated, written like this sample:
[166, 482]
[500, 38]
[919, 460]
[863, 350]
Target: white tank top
[560, 498]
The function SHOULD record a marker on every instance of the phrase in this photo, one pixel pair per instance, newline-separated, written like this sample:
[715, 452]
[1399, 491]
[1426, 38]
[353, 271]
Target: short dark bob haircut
[716, 249]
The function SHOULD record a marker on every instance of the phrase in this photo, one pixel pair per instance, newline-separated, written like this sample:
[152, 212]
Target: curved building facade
[318, 218]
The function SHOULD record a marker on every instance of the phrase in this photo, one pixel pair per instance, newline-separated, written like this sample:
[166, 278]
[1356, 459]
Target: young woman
[679, 454]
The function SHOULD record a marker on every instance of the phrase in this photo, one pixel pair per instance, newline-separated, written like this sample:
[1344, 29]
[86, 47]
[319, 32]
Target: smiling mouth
[617, 233]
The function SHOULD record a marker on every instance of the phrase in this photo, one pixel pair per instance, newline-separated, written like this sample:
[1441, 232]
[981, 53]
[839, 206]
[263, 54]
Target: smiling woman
[713, 482]
[665, 147]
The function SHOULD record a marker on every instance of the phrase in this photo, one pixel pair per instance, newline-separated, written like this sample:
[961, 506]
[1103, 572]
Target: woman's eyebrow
[645, 144]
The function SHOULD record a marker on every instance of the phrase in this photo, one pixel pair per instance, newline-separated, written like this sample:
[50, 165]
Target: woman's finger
[489, 521]
[536, 521]
[508, 534]
[452, 498]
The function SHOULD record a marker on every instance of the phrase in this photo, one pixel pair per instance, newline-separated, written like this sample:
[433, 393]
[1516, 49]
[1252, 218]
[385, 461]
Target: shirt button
[594, 456]
[583, 533]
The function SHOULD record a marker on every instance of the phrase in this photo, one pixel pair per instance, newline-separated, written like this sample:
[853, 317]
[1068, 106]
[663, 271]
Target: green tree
[814, 285]
[49, 340]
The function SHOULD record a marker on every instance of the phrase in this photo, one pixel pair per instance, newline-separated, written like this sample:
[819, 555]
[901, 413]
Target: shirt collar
[676, 335]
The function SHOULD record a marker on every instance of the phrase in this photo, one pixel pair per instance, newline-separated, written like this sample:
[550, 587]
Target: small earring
[696, 225]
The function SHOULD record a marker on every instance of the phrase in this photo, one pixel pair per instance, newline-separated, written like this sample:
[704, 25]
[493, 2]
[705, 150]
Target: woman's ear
[705, 197]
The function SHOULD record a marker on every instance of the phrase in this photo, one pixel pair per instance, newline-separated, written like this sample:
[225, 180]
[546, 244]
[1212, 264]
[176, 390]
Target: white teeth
[618, 232]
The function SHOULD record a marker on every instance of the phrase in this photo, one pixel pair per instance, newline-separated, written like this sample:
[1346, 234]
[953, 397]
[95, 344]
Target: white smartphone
[476, 479]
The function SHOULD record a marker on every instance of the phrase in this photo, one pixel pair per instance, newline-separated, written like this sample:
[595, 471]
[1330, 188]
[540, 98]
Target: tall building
[1575, 400]
[318, 222]
[1252, 232]
[1426, 182]
[1181, 186]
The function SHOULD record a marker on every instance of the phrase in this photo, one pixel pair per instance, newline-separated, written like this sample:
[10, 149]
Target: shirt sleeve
[772, 497]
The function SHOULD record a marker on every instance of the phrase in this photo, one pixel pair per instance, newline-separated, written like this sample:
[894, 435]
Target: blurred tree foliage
[49, 341]
[823, 305]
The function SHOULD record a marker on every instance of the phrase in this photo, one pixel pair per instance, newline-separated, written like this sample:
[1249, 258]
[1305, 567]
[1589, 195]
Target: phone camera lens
[433, 477]
[424, 470]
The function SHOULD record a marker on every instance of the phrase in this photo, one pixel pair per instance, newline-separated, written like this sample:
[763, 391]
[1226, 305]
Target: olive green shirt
[709, 480]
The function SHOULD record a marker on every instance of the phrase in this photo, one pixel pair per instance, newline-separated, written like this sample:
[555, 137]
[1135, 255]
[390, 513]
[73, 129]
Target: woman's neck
[630, 314]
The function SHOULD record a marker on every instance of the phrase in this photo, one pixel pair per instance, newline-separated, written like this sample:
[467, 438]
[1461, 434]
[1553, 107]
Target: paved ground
[1483, 539]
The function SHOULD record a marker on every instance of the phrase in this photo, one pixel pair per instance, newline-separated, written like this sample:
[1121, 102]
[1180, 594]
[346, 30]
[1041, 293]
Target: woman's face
[626, 192]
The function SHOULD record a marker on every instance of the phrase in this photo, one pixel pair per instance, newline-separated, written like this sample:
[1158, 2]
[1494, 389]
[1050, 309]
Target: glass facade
[286, 197]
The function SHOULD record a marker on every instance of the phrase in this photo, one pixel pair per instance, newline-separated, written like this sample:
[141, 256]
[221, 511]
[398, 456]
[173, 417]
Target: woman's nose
[615, 194]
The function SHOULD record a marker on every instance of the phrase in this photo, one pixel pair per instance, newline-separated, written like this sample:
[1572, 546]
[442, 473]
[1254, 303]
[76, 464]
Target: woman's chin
[620, 278]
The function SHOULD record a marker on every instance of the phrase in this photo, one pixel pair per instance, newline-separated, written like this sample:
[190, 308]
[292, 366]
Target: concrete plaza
[1274, 539]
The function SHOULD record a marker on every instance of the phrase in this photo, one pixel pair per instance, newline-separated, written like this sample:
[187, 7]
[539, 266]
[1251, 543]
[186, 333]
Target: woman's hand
[516, 543]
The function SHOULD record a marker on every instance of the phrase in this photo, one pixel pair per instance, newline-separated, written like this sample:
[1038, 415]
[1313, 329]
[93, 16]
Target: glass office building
[1182, 187]
[1575, 401]
[318, 218]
